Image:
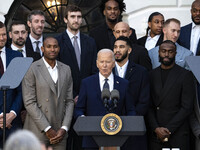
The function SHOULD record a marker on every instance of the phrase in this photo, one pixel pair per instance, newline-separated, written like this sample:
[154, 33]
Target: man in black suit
[18, 32]
[154, 35]
[36, 22]
[139, 54]
[138, 85]
[103, 34]
[76, 50]
[172, 96]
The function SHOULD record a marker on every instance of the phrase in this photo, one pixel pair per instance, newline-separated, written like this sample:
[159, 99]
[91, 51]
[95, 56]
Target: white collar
[16, 48]
[102, 78]
[194, 25]
[72, 35]
[33, 40]
[47, 65]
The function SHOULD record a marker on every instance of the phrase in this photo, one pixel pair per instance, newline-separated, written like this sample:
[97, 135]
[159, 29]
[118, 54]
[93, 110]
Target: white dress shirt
[52, 71]
[195, 35]
[110, 81]
[71, 36]
[16, 49]
[34, 44]
[54, 75]
[122, 70]
[151, 41]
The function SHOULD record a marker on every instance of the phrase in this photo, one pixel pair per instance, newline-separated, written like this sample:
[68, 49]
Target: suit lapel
[83, 52]
[97, 86]
[8, 57]
[116, 84]
[45, 73]
[61, 76]
[171, 80]
[130, 70]
[70, 48]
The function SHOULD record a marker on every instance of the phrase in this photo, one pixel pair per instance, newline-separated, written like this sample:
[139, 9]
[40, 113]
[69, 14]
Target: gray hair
[106, 50]
[22, 140]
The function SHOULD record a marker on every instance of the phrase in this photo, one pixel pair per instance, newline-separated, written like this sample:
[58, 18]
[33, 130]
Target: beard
[197, 23]
[166, 63]
[122, 58]
[113, 20]
[21, 43]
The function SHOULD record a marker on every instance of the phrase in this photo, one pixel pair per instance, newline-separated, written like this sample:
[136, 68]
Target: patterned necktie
[1, 65]
[20, 50]
[106, 85]
[77, 51]
[37, 47]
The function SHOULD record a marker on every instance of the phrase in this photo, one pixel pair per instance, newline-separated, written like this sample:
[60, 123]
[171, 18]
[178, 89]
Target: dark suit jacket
[29, 50]
[139, 88]
[90, 102]
[185, 36]
[13, 100]
[172, 105]
[139, 55]
[68, 57]
[141, 41]
[100, 34]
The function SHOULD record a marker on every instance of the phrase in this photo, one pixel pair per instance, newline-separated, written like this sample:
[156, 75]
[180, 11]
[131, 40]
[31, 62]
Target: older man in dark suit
[90, 102]
[172, 96]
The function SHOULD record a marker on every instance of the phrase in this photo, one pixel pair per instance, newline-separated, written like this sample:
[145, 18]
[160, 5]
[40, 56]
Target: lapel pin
[117, 82]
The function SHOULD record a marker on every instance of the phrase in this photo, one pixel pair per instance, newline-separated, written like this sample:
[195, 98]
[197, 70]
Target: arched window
[54, 11]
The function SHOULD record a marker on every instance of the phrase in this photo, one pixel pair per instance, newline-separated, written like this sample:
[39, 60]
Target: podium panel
[91, 126]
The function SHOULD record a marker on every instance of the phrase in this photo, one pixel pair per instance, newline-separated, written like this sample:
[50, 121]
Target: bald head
[122, 29]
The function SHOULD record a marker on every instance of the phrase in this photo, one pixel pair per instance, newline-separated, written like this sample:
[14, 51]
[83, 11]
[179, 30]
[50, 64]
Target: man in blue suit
[171, 30]
[90, 102]
[189, 36]
[14, 97]
[78, 51]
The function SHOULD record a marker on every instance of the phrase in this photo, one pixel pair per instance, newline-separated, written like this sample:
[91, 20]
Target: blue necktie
[106, 85]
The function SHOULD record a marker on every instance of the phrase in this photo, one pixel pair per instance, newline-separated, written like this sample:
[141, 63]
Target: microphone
[105, 96]
[115, 97]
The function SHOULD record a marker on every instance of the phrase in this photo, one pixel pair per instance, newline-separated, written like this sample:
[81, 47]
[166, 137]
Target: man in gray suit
[47, 95]
[171, 30]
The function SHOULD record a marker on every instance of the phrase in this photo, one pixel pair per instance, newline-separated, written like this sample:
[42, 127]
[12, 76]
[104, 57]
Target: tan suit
[45, 105]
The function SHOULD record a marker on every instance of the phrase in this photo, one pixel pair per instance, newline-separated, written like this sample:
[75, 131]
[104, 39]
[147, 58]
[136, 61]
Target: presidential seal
[111, 124]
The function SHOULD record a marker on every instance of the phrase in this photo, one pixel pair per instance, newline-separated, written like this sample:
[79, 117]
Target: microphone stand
[4, 89]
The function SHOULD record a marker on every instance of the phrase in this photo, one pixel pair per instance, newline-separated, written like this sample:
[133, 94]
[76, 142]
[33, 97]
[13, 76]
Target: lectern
[91, 126]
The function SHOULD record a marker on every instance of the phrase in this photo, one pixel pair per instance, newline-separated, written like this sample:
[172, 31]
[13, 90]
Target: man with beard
[138, 86]
[18, 33]
[14, 96]
[171, 31]
[139, 54]
[189, 36]
[172, 96]
[36, 22]
[103, 34]
[78, 51]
